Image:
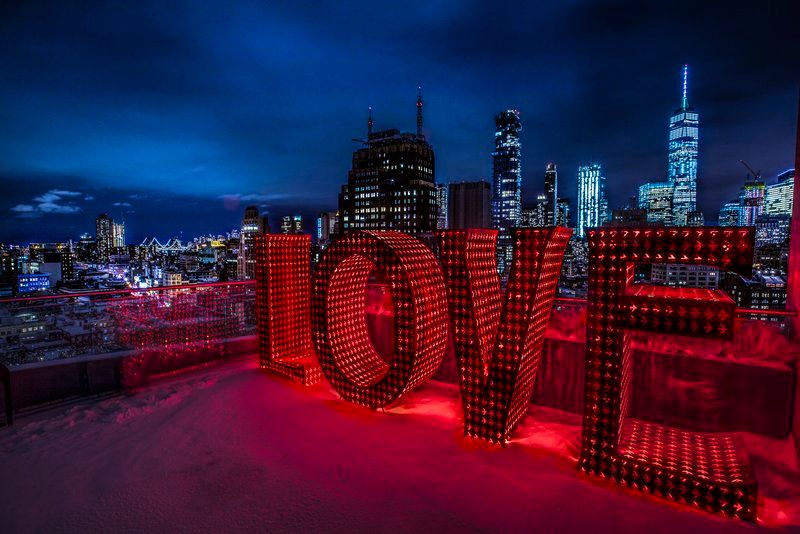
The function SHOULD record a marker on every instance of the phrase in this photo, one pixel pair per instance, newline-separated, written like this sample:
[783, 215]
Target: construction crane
[756, 175]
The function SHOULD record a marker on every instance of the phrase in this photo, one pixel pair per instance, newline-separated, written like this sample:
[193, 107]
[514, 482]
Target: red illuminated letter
[346, 354]
[283, 312]
[498, 350]
[708, 471]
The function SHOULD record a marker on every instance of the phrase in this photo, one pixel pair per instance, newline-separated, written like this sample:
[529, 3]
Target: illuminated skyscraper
[592, 203]
[391, 185]
[252, 224]
[683, 146]
[118, 234]
[506, 183]
[778, 196]
[751, 201]
[104, 237]
[550, 194]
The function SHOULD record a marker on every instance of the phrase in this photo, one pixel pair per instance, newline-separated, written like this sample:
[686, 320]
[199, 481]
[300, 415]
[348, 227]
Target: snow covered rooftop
[228, 447]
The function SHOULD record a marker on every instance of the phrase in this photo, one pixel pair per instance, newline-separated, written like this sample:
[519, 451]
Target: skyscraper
[469, 205]
[550, 194]
[729, 214]
[292, 224]
[563, 212]
[778, 196]
[252, 224]
[118, 234]
[683, 149]
[506, 183]
[327, 226]
[656, 199]
[751, 201]
[592, 203]
[442, 191]
[104, 236]
[391, 185]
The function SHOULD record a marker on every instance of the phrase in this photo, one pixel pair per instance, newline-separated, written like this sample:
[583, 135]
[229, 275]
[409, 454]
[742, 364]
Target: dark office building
[391, 185]
[469, 205]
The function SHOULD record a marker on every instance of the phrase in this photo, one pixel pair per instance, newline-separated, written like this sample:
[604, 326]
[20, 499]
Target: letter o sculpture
[346, 354]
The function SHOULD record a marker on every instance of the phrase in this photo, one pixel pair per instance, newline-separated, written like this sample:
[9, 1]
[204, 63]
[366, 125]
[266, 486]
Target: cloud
[52, 201]
[137, 196]
[88, 198]
[254, 197]
[63, 193]
[122, 204]
[23, 208]
[52, 207]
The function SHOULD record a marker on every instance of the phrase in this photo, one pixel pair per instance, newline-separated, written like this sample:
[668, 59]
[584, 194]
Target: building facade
[778, 196]
[729, 214]
[681, 275]
[292, 224]
[327, 227]
[563, 212]
[442, 192]
[469, 205]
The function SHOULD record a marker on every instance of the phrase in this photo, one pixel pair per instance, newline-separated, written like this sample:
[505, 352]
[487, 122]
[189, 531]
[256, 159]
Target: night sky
[176, 115]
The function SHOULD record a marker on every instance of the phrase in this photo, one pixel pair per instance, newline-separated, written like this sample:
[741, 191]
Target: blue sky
[176, 115]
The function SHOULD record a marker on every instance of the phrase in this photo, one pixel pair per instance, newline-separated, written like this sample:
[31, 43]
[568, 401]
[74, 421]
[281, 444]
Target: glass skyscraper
[682, 169]
[506, 183]
[592, 203]
[778, 196]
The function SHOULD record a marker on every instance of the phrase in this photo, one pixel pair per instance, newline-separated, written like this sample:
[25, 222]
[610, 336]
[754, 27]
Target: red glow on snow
[498, 348]
[346, 354]
[709, 471]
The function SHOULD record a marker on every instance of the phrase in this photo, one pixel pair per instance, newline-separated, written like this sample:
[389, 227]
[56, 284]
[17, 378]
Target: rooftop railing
[190, 317]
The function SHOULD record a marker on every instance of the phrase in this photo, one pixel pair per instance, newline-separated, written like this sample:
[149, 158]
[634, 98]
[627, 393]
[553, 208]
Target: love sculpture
[498, 337]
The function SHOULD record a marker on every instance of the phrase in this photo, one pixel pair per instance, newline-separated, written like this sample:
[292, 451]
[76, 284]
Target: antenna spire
[419, 111]
[685, 101]
[369, 122]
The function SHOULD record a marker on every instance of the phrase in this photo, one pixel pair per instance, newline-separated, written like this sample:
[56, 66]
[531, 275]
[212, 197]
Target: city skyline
[83, 137]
